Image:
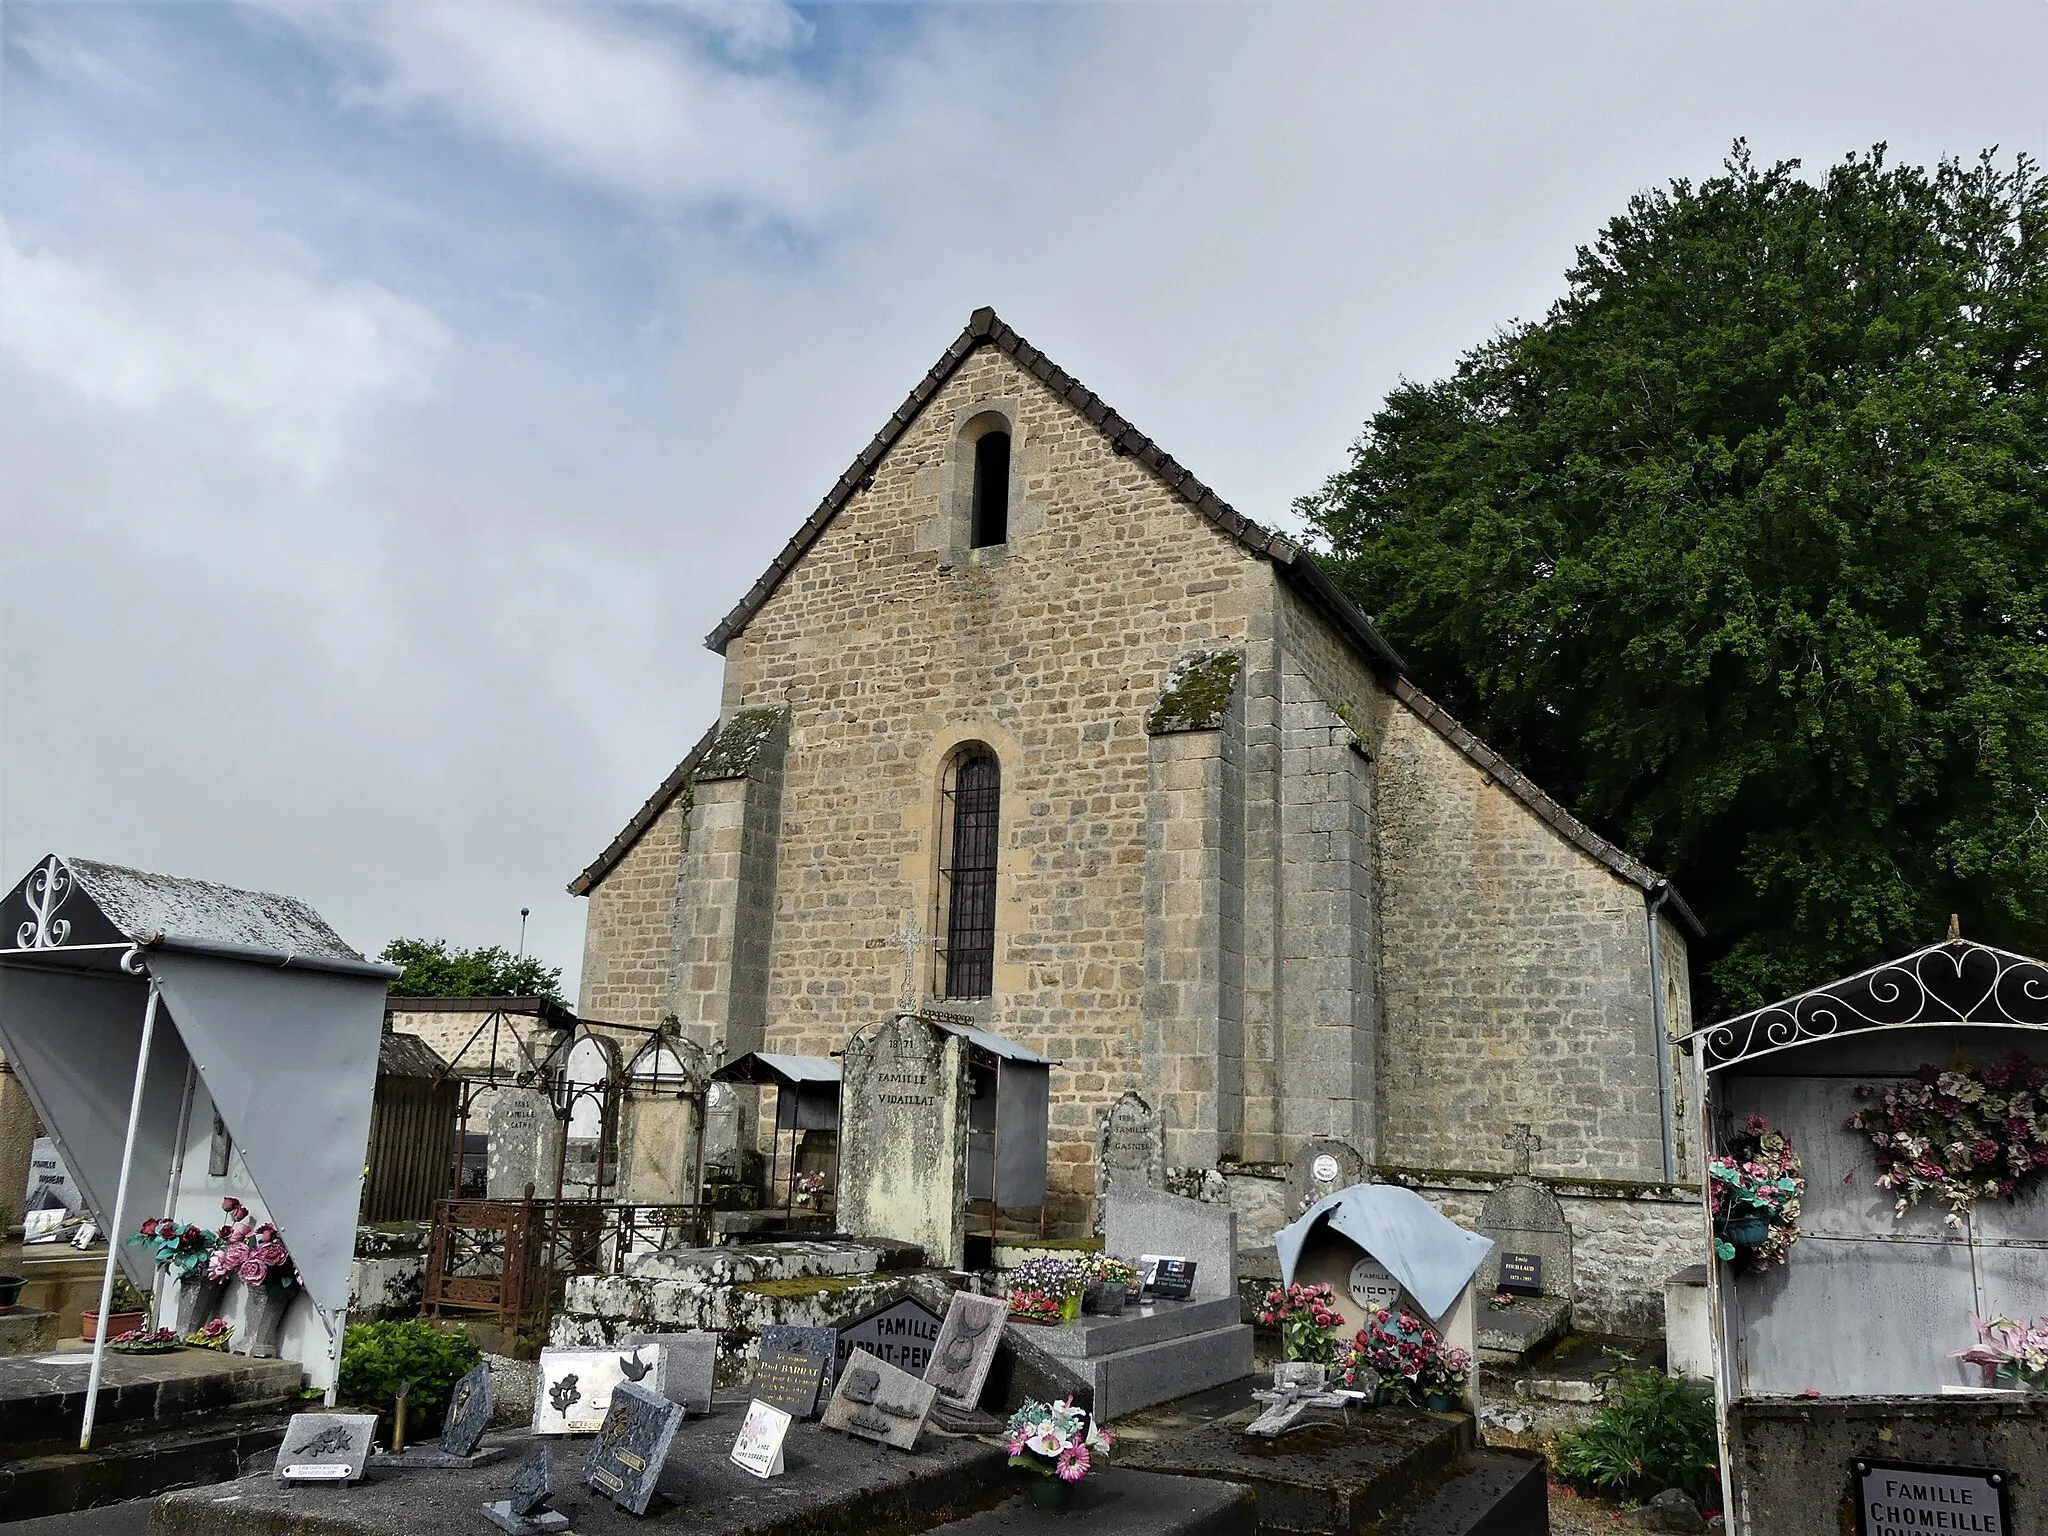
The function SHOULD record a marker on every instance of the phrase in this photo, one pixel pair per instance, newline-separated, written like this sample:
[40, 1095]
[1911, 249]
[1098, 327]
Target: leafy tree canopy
[432, 969]
[1741, 548]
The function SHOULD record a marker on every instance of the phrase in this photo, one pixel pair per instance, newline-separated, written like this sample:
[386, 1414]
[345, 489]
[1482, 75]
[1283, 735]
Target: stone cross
[911, 939]
[1524, 1143]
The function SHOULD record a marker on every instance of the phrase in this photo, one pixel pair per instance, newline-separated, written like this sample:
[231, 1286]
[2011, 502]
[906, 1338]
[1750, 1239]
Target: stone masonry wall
[627, 927]
[1514, 978]
[891, 643]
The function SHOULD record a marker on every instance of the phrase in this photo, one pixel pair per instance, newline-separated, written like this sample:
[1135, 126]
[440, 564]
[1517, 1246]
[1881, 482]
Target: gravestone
[524, 1512]
[722, 1126]
[524, 1132]
[876, 1401]
[325, 1448]
[1321, 1168]
[759, 1447]
[573, 1390]
[901, 1333]
[626, 1461]
[783, 1338]
[1149, 1222]
[903, 1130]
[1531, 1259]
[469, 1413]
[966, 1348]
[792, 1380]
[1130, 1152]
[678, 1366]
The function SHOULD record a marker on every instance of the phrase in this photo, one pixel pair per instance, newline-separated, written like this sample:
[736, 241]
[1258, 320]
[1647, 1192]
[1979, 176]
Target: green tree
[1741, 549]
[432, 969]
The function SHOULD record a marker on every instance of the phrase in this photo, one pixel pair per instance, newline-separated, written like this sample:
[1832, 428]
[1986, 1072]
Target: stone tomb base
[1522, 1332]
[1149, 1354]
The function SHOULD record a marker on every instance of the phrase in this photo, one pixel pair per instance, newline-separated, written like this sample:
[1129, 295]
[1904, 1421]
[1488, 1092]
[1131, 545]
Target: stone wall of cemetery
[631, 916]
[1515, 977]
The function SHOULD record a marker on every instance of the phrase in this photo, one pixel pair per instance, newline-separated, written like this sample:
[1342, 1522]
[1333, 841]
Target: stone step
[44, 1402]
[1130, 1379]
[137, 1462]
[1086, 1337]
[1119, 1502]
[1492, 1493]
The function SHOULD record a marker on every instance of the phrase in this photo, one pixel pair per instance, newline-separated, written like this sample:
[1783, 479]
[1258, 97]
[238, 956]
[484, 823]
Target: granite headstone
[469, 1413]
[631, 1448]
[966, 1347]
[903, 1138]
[792, 1380]
[325, 1448]
[1149, 1222]
[1320, 1168]
[1524, 1218]
[878, 1402]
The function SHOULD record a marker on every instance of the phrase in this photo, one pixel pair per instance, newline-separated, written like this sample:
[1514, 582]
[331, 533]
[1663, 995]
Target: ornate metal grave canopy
[1943, 985]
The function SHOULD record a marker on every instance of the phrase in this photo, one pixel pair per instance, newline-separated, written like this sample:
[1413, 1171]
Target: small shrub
[378, 1358]
[1657, 1434]
[127, 1297]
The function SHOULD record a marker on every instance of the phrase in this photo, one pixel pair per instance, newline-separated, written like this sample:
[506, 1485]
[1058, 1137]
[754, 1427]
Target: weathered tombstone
[878, 1402]
[678, 1366]
[573, 1390]
[524, 1132]
[792, 1380]
[1531, 1261]
[1130, 1152]
[966, 1348]
[721, 1126]
[631, 1447]
[783, 1338]
[903, 1127]
[325, 1448]
[524, 1512]
[1321, 1168]
[901, 1333]
[1149, 1222]
[759, 1447]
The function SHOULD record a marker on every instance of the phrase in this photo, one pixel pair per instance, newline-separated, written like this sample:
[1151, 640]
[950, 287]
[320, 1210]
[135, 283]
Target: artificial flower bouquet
[1056, 1440]
[2010, 1352]
[1958, 1135]
[1399, 1356]
[214, 1335]
[180, 1249]
[1029, 1306]
[1101, 1269]
[1037, 1285]
[250, 1251]
[1753, 1192]
[1304, 1314]
[146, 1341]
[809, 1186]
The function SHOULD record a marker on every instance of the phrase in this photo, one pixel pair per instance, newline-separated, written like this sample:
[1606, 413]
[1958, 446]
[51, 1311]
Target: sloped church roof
[1295, 565]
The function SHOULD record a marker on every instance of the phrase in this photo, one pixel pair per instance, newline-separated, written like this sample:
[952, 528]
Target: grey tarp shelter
[269, 1009]
[1432, 1256]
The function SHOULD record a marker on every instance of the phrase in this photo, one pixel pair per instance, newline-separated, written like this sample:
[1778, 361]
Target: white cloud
[243, 327]
[655, 113]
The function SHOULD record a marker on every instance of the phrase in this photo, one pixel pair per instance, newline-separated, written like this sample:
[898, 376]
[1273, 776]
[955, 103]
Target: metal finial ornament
[47, 890]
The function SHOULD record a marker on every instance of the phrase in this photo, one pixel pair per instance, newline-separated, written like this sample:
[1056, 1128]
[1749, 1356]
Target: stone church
[1165, 808]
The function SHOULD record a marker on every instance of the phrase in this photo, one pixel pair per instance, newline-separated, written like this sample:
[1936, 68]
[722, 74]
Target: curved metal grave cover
[1957, 982]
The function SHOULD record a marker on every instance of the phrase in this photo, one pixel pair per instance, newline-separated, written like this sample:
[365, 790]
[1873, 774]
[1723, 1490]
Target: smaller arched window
[991, 522]
[972, 824]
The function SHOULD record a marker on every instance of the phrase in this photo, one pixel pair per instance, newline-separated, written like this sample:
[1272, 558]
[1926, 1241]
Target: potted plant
[1753, 1193]
[1443, 1378]
[1304, 1314]
[1103, 1276]
[253, 1261]
[1058, 1444]
[10, 1290]
[2011, 1353]
[127, 1308]
[1056, 1279]
[1404, 1360]
[182, 1252]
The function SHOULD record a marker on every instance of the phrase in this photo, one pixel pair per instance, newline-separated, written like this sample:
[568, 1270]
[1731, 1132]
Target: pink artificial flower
[253, 1270]
[272, 1253]
[1073, 1464]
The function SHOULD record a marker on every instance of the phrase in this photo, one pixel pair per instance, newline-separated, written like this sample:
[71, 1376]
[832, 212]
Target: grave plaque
[573, 1390]
[782, 1338]
[759, 1447]
[469, 1413]
[1522, 1273]
[626, 1461]
[1104, 1298]
[1893, 1497]
[966, 1347]
[878, 1402]
[525, 1512]
[1373, 1287]
[325, 1447]
[792, 1381]
[1166, 1277]
[902, 1334]
[679, 1366]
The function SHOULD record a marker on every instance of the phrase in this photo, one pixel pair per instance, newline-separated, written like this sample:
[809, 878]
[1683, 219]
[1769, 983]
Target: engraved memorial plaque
[878, 1402]
[573, 1390]
[792, 1381]
[627, 1459]
[469, 1413]
[966, 1347]
[325, 1447]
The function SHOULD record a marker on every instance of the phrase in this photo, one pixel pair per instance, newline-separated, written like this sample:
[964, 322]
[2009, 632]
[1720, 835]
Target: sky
[392, 396]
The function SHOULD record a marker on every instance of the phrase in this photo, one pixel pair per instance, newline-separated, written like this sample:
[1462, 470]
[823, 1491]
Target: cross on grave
[1524, 1143]
[911, 939]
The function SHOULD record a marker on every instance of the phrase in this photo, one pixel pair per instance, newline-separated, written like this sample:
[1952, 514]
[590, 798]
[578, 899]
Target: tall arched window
[991, 490]
[972, 822]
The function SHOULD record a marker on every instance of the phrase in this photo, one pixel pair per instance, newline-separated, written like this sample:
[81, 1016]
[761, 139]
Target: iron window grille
[972, 807]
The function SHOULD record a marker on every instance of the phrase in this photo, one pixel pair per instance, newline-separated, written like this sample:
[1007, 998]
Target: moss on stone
[1197, 692]
[733, 754]
[803, 1285]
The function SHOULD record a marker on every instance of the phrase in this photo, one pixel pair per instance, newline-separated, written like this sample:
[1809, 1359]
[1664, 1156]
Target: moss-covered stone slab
[739, 744]
[1196, 693]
